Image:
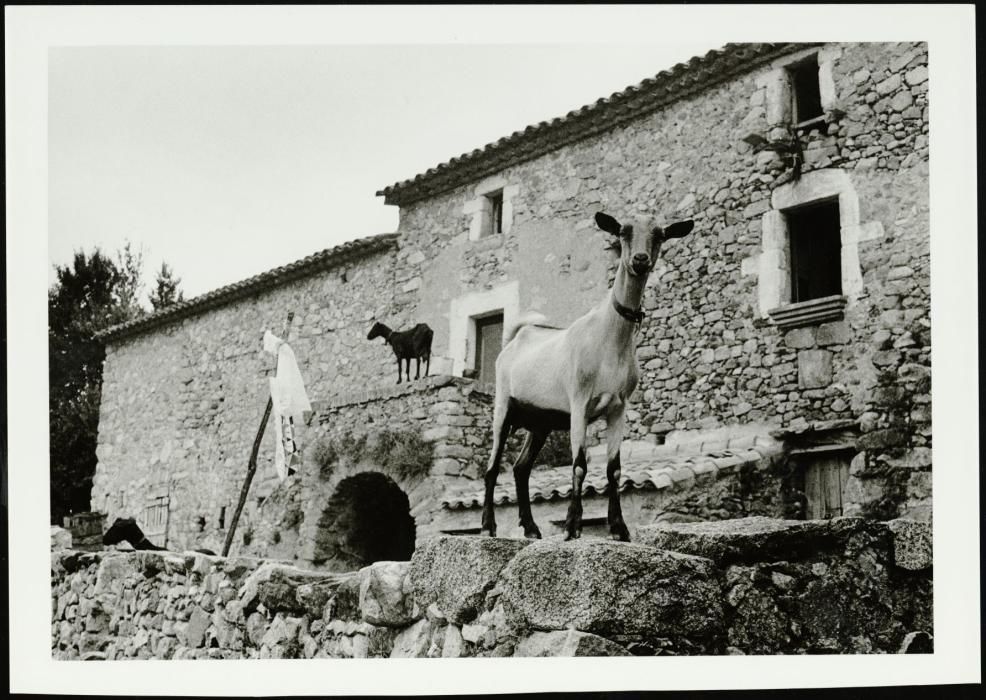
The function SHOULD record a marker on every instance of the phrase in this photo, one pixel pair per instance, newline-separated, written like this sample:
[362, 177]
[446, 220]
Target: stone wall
[750, 586]
[181, 404]
[709, 353]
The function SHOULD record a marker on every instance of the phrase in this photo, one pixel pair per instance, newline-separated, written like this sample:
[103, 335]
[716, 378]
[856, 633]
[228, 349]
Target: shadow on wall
[367, 519]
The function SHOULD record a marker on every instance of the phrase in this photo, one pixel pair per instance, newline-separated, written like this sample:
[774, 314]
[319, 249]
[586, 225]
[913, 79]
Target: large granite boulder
[751, 539]
[821, 586]
[568, 643]
[455, 573]
[617, 590]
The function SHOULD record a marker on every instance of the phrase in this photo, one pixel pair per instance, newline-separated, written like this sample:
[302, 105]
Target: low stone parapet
[744, 586]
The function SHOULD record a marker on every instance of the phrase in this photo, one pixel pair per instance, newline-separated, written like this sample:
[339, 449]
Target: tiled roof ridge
[668, 86]
[298, 269]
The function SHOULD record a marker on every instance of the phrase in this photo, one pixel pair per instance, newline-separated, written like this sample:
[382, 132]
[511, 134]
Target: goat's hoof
[620, 533]
[487, 533]
[532, 532]
[573, 535]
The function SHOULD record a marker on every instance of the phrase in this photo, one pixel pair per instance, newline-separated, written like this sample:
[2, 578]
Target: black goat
[412, 344]
[128, 529]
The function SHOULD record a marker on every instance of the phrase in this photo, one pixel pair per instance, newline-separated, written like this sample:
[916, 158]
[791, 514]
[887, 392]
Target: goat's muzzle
[641, 264]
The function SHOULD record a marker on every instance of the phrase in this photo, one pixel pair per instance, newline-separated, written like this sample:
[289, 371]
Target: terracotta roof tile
[329, 257]
[640, 471]
[605, 113]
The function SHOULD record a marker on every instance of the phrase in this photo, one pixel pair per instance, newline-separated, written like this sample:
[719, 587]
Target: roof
[330, 257]
[644, 467]
[665, 88]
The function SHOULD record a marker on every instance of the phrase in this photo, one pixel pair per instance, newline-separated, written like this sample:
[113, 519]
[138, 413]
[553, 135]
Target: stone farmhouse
[785, 353]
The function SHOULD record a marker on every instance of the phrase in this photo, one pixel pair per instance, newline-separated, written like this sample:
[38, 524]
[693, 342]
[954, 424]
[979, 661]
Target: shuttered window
[154, 520]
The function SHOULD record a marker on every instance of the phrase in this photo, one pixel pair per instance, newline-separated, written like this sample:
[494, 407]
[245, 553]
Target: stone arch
[336, 490]
[367, 519]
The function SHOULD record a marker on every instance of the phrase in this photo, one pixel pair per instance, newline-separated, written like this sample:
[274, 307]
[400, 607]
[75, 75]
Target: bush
[405, 451]
[407, 455]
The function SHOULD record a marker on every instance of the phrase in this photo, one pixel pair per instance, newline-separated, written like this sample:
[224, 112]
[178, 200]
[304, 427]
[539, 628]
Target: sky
[229, 161]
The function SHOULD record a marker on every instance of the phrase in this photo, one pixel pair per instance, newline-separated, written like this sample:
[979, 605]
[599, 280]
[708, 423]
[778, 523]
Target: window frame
[795, 73]
[799, 263]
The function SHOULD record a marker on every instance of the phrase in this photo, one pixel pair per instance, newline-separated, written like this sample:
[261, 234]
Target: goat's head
[376, 332]
[639, 242]
[122, 529]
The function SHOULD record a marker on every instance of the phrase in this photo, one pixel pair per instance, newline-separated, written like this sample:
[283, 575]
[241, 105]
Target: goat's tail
[528, 319]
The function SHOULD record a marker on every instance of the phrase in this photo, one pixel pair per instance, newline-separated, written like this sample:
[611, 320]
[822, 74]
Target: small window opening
[496, 213]
[489, 342]
[222, 518]
[815, 251]
[806, 95]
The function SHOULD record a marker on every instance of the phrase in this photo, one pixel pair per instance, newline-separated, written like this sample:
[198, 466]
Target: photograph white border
[950, 33]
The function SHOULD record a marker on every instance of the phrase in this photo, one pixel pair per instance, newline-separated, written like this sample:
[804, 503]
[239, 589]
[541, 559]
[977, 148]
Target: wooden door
[489, 342]
[825, 477]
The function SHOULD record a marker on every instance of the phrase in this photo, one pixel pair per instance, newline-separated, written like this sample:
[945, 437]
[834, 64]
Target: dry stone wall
[747, 586]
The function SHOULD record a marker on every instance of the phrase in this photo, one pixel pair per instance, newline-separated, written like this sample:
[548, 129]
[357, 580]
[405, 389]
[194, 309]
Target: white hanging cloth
[289, 403]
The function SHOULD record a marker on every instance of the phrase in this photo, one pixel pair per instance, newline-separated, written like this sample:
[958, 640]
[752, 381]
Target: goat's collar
[632, 315]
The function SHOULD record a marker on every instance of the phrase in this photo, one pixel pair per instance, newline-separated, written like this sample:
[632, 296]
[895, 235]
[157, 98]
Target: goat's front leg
[573, 522]
[407, 368]
[522, 473]
[417, 367]
[614, 439]
[500, 429]
[399, 370]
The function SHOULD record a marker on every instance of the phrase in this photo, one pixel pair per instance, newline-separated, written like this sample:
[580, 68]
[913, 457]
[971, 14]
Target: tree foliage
[89, 295]
[166, 292]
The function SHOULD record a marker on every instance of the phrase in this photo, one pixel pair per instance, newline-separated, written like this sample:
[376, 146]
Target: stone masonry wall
[751, 586]
[181, 405]
[708, 356]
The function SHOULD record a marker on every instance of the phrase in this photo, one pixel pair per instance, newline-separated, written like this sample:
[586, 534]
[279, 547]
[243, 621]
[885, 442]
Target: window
[825, 477]
[491, 209]
[154, 520]
[495, 224]
[489, 342]
[222, 518]
[815, 244]
[806, 96]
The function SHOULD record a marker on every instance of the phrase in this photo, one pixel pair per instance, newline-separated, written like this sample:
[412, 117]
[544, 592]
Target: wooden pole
[252, 463]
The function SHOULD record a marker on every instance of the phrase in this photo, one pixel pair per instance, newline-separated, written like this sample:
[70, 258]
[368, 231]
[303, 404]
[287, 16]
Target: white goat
[551, 379]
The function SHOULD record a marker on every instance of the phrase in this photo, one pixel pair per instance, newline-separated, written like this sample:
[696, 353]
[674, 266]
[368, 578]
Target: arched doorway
[367, 519]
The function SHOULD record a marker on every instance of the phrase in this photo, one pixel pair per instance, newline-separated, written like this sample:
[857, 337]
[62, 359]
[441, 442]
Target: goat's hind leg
[522, 472]
[614, 439]
[500, 429]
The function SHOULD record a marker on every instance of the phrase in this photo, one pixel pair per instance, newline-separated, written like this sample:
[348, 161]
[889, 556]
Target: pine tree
[88, 296]
[166, 292]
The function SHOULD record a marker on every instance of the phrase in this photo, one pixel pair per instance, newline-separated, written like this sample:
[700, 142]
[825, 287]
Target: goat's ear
[607, 223]
[682, 228]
